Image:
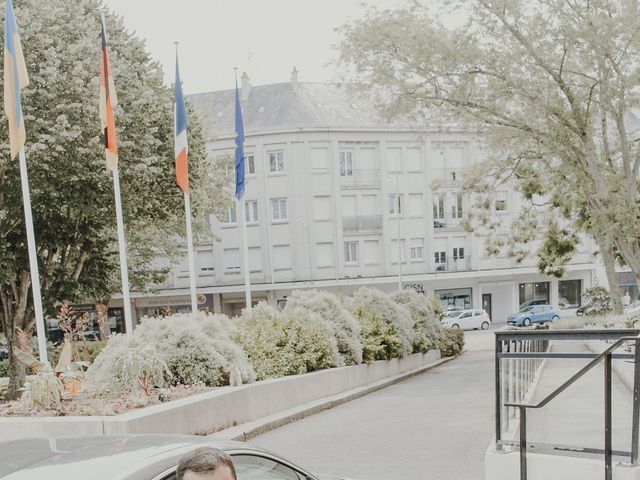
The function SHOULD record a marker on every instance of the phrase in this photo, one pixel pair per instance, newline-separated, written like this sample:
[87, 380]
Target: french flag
[181, 124]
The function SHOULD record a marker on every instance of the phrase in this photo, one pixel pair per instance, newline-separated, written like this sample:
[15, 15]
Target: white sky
[265, 38]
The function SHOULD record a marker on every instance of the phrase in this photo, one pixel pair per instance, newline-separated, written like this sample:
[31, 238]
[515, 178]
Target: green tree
[550, 85]
[72, 192]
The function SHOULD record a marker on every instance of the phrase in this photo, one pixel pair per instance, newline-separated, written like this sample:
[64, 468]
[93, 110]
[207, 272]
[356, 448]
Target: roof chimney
[294, 76]
[245, 86]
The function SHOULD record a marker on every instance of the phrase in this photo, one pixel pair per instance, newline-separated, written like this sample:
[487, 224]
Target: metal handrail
[607, 355]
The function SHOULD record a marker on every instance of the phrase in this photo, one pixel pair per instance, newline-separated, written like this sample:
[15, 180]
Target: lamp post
[397, 210]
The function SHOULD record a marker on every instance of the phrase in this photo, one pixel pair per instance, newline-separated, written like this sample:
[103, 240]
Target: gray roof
[288, 105]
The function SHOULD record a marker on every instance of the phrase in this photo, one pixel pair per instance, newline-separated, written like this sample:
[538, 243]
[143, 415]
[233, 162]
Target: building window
[417, 249]
[251, 211]
[279, 209]
[250, 164]
[455, 298]
[458, 253]
[534, 293]
[414, 160]
[438, 208]
[231, 215]
[205, 260]
[569, 293]
[350, 252]
[346, 164]
[456, 208]
[440, 257]
[232, 259]
[396, 204]
[276, 161]
[394, 159]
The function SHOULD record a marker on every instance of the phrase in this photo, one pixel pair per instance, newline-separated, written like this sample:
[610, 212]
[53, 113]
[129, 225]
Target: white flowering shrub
[386, 327]
[285, 342]
[196, 349]
[426, 313]
[102, 377]
[345, 328]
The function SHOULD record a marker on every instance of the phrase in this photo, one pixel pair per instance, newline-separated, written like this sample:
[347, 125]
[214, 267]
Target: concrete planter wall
[223, 407]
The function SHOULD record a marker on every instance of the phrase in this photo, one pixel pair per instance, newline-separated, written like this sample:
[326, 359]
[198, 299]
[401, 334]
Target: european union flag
[239, 147]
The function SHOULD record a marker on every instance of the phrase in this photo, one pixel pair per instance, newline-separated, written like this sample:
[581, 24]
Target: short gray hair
[203, 460]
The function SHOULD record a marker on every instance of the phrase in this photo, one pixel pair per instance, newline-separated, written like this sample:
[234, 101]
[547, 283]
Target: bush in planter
[386, 327]
[426, 313]
[344, 326]
[600, 300]
[197, 349]
[453, 342]
[285, 342]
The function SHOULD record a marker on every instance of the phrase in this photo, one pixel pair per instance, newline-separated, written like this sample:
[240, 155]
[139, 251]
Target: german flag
[108, 102]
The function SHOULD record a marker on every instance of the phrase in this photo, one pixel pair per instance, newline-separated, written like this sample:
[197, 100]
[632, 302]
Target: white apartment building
[322, 174]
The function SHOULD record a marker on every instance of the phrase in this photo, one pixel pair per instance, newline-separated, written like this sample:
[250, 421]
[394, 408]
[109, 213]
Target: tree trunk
[614, 289]
[17, 370]
[605, 245]
[18, 318]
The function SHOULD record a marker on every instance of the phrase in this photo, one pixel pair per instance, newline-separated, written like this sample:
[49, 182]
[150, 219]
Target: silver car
[131, 457]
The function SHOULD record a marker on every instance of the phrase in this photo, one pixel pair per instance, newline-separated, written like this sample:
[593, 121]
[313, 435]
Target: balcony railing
[447, 223]
[454, 265]
[360, 177]
[362, 224]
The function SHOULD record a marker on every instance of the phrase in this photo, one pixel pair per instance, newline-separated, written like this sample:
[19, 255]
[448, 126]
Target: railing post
[635, 427]
[498, 387]
[523, 443]
[607, 418]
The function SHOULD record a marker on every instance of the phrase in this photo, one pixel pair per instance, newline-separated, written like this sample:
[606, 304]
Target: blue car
[533, 314]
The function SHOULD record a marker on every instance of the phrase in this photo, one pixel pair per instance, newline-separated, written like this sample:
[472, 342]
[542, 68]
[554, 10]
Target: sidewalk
[576, 416]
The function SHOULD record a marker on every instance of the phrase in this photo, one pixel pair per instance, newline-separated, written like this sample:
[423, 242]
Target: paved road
[433, 426]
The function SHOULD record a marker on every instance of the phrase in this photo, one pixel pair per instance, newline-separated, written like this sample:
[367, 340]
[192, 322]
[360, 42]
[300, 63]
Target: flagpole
[33, 259]
[122, 248]
[240, 187]
[192, 268]
[245, 253]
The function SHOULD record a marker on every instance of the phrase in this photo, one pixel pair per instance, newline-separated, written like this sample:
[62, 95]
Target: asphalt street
[434, 426]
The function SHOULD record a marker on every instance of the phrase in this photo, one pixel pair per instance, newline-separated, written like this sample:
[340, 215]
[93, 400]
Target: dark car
[4, 351]
[132, 457]
[586, 308]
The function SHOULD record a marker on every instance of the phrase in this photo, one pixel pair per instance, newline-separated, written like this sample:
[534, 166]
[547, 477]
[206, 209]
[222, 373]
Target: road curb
[249, 430]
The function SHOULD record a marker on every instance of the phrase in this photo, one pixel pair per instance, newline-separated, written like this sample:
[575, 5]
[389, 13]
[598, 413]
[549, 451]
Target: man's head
[206, 463]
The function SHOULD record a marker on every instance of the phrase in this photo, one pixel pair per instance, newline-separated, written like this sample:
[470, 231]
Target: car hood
[105, 457]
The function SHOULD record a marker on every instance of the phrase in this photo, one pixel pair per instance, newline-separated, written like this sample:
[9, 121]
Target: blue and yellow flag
[15, 79]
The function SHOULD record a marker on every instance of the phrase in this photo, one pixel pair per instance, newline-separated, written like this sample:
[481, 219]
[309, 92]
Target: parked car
[468, 320]
[564, 304]
[132, 457]
[4, 351]
[586, 308]
[531, 303]
[533, 314]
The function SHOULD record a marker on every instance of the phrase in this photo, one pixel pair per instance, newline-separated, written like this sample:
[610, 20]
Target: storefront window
[628, 284]
[534, 292]
[569, 293]
[455, 298]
